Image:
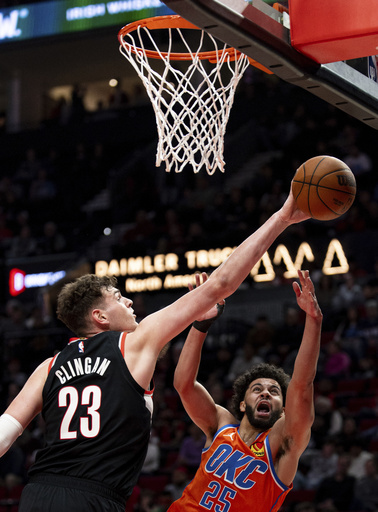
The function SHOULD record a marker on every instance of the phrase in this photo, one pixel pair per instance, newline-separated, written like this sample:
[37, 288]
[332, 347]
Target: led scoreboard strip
[30, 21]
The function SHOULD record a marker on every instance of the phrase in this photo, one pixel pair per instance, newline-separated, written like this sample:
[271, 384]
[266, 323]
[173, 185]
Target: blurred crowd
[44, 194]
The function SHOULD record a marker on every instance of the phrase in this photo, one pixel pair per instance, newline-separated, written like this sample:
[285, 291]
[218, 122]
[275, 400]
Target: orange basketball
[324, 187]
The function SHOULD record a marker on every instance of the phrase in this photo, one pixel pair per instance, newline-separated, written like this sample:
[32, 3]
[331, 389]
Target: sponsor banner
[20, 281]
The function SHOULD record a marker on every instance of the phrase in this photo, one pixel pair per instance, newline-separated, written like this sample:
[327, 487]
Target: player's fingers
[301, 274]
[296, 288]
[305, 279]
[310, 284]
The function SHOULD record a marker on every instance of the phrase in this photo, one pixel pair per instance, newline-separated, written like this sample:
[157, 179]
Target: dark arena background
[80, 192]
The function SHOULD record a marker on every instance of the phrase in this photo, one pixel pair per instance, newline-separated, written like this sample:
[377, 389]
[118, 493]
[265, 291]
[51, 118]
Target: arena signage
[170, 271]
[53, 18]
[19, 280]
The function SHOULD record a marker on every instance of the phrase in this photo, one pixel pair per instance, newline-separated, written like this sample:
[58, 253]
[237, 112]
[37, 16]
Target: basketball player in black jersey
[95, 395]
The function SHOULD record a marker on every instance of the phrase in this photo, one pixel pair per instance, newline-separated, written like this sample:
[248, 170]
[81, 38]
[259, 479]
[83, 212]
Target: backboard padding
[259, 35]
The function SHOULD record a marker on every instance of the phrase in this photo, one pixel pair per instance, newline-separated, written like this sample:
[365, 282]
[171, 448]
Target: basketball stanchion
[191, 90]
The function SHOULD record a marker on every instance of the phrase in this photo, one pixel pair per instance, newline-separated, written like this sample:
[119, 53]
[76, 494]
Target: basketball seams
[309, 190]
[316, 168]
[341, 169]
[335, 187]
[321, 186]
[344, 170]
[334, 190]
[302, 182]
[321, 200]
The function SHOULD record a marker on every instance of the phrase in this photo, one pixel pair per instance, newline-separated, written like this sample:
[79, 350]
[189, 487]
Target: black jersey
[97, 418]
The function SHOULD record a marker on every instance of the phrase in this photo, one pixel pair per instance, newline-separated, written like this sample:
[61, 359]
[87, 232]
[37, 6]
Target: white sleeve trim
[10, 430]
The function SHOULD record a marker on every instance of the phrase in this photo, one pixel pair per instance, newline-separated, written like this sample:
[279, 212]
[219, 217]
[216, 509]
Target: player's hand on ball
[290, 213]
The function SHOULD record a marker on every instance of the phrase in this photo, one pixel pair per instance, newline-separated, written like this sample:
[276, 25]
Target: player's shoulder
[45, 364]
[278, 439]
[225, 417]
[41, 371]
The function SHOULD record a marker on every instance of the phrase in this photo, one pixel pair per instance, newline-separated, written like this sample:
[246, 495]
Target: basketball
[324, 187]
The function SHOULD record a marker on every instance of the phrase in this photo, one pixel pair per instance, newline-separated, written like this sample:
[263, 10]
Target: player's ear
[242, 406]
[99, 317]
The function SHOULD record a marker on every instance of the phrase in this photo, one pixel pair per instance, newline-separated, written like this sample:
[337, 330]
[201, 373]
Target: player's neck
[248, 433]
[91, 334]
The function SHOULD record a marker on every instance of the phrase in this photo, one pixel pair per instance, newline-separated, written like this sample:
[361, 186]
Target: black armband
[204, 325]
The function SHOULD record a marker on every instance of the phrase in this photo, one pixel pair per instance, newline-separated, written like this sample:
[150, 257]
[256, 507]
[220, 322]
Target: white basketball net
[192, 104]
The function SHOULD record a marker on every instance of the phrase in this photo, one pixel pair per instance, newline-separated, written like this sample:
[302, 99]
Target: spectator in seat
[338, 490]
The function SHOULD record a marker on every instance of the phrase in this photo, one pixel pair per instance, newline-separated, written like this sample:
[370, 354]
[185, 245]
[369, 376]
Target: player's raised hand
[305, 293]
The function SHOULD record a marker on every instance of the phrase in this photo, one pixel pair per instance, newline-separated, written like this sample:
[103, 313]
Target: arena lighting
[19, 280]
[335, 247]
[174, 274]
[52, 18]
[282, 254]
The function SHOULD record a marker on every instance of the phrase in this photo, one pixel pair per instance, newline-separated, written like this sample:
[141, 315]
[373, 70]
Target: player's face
[119, 311]
[263, 403]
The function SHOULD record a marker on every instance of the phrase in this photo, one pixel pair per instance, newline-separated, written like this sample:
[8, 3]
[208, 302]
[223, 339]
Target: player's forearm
[196, 400]
[187, 367]
[238, 265]
[308, 353]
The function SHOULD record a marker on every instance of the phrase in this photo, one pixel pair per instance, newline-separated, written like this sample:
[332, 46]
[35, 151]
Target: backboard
[263, 33]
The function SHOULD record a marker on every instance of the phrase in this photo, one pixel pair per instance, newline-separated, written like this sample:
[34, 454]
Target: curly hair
[261, 370]
[77, 299]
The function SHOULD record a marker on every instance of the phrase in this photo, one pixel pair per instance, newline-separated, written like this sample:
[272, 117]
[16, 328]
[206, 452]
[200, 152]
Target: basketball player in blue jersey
[250, 459]
[95, 395]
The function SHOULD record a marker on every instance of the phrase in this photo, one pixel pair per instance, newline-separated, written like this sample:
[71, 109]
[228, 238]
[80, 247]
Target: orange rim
[165, 22]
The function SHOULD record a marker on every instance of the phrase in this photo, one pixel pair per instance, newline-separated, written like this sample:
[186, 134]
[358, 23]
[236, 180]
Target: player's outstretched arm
[224, 281]
[291, 434]
[156, 330]
[299, 410]
[235, 269]
[196, 400]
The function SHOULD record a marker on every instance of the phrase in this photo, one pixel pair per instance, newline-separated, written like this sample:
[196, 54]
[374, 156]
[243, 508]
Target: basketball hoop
[192, 91]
